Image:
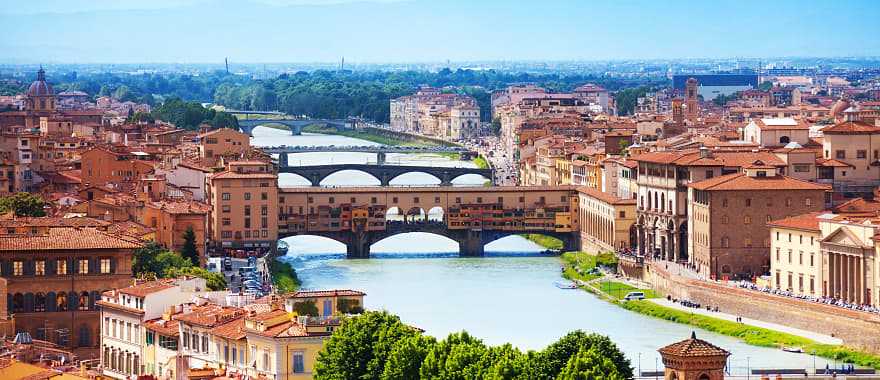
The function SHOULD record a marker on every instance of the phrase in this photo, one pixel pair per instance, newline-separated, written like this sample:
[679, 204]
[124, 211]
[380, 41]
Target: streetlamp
[640, 365]
[748, 369]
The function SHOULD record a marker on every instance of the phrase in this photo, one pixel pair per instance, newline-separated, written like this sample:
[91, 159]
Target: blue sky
[192, 31]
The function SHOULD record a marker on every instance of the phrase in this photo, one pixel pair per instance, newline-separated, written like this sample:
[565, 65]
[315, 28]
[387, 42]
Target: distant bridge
[384, 173]
[379, 150]
[295, 125]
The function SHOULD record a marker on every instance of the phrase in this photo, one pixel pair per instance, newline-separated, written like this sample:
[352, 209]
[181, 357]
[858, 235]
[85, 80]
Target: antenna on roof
[226, 60]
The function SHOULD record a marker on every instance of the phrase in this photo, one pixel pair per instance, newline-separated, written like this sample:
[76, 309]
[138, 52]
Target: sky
[376, 31]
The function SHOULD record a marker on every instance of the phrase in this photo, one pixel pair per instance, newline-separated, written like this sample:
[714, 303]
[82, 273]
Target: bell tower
[691, 99]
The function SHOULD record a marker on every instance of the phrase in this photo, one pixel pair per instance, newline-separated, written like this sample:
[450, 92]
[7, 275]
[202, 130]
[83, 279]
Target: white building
[123, 313]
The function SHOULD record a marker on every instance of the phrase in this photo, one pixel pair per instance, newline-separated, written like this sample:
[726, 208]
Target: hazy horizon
[424, 32]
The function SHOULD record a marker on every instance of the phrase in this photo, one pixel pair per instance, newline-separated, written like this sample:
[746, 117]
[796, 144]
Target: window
[725, 242]
[724, 219]
[105, 266]
[227, 221]
[808, 202]
[264, 196]
[724, 202]
[226, 208]
[623, 214]
[747, 242]
[801, 168]
[40, 268]
[747, 219]
[862, 154]
[777, 255]
[265, 360]
[61, 267]
[298, 366]
[247, 196]
[709, 174]
[332, 200]
[18, 268]
[748, 202]
[840, 154]
[811, 260]
[185, 340]
[83, 267]
[789, 256]
[801, 257]
[227, 196]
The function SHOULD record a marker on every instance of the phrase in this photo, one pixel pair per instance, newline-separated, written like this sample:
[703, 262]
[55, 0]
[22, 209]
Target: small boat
[797, 350]
[565, 285]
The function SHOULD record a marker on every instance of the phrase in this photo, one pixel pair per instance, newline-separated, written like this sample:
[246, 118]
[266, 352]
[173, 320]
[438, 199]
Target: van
[632, 296]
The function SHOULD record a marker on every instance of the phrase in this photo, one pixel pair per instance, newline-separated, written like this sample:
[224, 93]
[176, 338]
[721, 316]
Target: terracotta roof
[161, 326]
[232, 330]
[831, 162]
[117, 306]
[693, 347]
[783, 124]
[605, 197]
[851, 128]
[327, 293]
[24, 221]
[806, 222]
[858, 205]
[742, 182]
[211, 315]
[60, 238]
[149, 287]
[181, 207]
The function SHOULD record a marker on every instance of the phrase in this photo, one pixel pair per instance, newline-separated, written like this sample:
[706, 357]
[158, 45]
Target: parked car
[633, 296]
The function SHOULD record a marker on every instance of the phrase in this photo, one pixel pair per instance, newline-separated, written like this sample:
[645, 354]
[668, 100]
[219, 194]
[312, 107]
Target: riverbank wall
[406, 136]
[858, 330]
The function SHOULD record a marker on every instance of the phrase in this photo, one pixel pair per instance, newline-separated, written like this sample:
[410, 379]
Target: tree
[213, 280]
[459, 356]
[556, 356]
[765, 85]
[189, 249]
[141, 117]
[406, 357]
[590, 365]
[144, 261]
[496, 126]
[360, 347]
[506, 362]
[306, 308]
[23, 204]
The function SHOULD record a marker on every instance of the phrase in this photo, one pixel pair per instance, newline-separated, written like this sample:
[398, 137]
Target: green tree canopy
[406, 357]
[189, 249]
[360, 347]
[590, 364]
[556, 356]
[23, 204]
[459, 356]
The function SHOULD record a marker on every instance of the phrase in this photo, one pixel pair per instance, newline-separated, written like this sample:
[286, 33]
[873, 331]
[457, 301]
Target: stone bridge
[472, 216]
[295, 125]
[384, 173]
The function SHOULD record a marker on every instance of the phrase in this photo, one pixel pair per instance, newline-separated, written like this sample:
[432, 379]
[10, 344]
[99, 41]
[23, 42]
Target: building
[855, 146]
[777, 132]
[102, 166]
[222, 142]
[693, 359]
[171, 221]
[691, 100]
[607, 222]
[829, 255]
[244, 207]
[728, 217]
[432, 113]
[55, 271]
[661, 181]
[125, 313]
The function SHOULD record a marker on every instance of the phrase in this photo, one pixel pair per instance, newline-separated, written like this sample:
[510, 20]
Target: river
[507, 296]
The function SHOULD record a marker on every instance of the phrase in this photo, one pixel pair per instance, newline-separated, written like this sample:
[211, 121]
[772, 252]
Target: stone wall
[857, 329]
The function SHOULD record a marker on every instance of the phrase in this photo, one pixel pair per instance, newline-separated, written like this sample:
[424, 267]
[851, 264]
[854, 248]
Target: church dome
[40, 87]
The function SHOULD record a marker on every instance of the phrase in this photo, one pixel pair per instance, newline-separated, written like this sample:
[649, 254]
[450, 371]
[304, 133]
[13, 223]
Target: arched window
[40, 302]
[84, 301]
[18, 303]
[725, 242]
[704, 377]
[61, 301]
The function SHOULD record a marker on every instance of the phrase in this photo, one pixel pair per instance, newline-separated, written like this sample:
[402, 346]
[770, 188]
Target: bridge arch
[315, 243]
[433, 242]
[395, 181]
[469, 179]
[334, 175]
[292, 179]
[436, 214]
